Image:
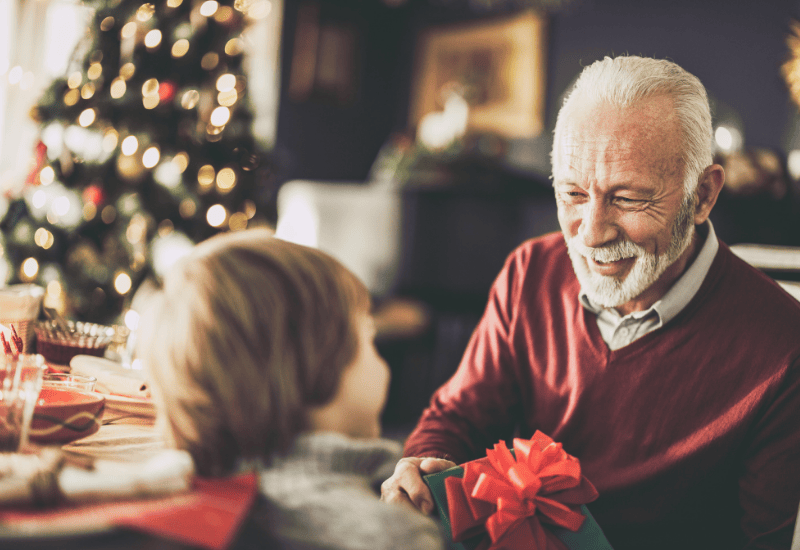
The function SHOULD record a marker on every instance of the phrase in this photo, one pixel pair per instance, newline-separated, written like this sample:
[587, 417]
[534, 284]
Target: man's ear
[711, 181]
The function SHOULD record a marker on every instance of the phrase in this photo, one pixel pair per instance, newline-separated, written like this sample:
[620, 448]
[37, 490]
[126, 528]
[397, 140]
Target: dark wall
[320, 138]
[735, 48]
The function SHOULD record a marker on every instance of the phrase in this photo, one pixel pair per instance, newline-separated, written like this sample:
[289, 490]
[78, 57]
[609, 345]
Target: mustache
[612, 252]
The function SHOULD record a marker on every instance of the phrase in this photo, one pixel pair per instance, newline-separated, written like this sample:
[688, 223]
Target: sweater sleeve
[769, 488]
[480, 404]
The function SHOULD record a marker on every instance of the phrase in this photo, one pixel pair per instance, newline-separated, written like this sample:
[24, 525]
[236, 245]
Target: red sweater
[691, 434]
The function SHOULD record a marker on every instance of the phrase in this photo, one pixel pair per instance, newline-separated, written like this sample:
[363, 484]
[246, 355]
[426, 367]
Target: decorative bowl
[62, 415]
[66, 380]
[60, 346]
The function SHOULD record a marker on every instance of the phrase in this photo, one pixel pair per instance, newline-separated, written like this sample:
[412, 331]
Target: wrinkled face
[618, 179]
[364, 383]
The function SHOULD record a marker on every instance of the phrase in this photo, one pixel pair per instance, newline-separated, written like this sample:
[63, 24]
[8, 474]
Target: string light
[54, 289]
[29, 270]
[110, 140]
[226, 82]
[87, 91]
[127, 70]
[209, 8]
[216, 215]
[209, 61]
[205, 177]
[89, 211]
[122, 283]
[227, 99]
[234, 46]
[180, 48]
[108, 214]
[43, 238]
[174, 3]
[118, 87]
[129, 145]
[187, 209]
[150, 87]
[145, 12]
[238, 221]
[189, 99]
[137, 229]
[165, 227]
[71, 97]
[181, 160]
[107, 24]
[226, 180]
[152, 39]
[213, 133]
[86, 118]
[220, 116]
[150, 157]
[249, 209]
[75, 79]
[95, 71]
[128, 30]
[223, 14]
[61, 206]
[39, 199]
[258, 9]
[47, 175]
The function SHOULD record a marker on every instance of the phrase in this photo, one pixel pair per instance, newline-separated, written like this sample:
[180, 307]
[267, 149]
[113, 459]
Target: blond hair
[248, 333]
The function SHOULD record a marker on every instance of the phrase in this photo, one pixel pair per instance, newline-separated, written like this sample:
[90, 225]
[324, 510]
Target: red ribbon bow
[506, 496]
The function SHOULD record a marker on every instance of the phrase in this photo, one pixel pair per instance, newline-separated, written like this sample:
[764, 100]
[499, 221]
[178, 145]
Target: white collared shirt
[619, 331]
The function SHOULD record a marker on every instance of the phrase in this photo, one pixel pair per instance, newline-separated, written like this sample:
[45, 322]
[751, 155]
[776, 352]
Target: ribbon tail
[462, 524]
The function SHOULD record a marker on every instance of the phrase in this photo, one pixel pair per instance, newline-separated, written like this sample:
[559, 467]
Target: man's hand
[406, 484]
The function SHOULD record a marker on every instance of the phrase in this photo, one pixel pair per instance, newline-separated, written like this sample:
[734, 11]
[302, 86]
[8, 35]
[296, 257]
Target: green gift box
[588, 537]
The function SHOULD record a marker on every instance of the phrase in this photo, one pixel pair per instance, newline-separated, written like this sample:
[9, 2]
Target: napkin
[43, 478]
[160, 497]
[112, 377]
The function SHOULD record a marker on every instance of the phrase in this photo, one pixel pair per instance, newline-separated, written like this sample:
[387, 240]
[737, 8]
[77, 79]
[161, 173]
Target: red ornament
[39, 155]
[93, 194]
[166, 91]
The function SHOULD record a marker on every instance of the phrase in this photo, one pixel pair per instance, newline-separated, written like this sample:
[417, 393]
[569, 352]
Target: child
[261, 351]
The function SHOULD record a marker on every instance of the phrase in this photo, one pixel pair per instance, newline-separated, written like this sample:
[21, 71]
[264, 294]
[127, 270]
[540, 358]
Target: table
[123, 438]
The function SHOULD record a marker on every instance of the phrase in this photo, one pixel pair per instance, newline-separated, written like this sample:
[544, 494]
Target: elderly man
[668, 366]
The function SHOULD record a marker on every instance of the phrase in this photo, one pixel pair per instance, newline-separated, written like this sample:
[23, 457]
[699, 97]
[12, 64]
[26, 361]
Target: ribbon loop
[507, 496]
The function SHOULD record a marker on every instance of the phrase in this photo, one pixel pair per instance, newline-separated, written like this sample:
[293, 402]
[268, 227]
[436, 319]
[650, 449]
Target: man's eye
[627, 200]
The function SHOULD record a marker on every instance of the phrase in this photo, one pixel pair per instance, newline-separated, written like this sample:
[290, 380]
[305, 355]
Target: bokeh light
[216, 215]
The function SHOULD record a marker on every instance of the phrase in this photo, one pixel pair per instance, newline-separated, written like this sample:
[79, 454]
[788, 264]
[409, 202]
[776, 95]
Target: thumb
[433, 465]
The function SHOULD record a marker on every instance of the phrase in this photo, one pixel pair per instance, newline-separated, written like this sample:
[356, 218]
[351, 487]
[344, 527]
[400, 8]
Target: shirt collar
[683, 290]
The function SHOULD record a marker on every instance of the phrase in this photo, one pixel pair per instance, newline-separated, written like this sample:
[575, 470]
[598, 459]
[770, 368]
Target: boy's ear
[708, 188]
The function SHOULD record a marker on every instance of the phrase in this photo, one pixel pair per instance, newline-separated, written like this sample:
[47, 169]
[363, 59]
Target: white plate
[130, 405]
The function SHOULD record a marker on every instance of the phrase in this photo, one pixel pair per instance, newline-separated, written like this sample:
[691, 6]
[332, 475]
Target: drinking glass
[20, 384]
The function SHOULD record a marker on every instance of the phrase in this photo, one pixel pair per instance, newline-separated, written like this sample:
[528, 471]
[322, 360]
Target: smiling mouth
[612, 267]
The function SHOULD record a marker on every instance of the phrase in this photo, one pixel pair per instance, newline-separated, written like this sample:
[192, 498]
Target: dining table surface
[129, 437]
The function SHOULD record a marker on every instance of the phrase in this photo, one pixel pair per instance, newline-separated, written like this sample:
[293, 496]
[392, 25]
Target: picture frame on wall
[497, 65]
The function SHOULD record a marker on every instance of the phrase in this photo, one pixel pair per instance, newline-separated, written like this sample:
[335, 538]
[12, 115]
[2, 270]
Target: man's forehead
[602, 135]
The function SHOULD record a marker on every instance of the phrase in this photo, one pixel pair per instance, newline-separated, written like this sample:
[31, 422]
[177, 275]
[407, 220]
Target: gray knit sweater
[323, 495]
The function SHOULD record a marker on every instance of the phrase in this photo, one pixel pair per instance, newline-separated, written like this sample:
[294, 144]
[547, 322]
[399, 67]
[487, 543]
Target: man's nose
[598, 226]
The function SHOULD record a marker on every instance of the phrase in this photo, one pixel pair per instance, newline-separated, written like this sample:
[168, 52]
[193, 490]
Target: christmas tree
[146, 148]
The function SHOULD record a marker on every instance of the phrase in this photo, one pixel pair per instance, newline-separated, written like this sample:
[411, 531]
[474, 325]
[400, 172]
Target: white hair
[623, 81]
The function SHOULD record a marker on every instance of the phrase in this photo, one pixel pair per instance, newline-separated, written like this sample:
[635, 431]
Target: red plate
[64, 415]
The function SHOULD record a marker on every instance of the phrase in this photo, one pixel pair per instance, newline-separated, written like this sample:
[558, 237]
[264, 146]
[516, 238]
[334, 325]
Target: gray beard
[607, 291]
